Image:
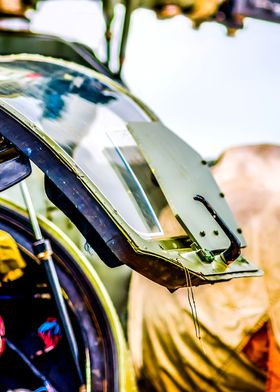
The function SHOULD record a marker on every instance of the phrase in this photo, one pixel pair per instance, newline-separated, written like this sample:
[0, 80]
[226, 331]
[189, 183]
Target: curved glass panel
[88, 118]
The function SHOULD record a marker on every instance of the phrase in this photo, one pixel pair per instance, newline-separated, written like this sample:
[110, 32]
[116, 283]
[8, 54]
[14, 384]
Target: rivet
[202, 233]
[222, 194]
[239, 230]
[203, 162]
[216, 232]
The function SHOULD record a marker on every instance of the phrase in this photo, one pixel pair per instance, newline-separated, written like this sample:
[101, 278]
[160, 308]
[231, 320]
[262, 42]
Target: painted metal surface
[72, 123]
[175, 162]
[12, 42]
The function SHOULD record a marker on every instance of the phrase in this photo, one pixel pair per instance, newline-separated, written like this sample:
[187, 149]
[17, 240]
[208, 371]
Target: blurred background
[212, 89]
[216, 90]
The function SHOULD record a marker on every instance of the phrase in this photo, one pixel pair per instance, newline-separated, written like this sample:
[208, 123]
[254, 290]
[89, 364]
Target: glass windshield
[88, 118]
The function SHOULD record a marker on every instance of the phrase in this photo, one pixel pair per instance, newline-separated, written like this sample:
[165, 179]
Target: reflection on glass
[88, 119]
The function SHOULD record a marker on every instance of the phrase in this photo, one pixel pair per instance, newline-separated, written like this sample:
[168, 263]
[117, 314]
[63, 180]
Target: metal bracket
[234, 250]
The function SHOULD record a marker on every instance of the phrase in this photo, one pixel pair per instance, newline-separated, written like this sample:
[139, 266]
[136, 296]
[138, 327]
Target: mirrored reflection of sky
[213, 90]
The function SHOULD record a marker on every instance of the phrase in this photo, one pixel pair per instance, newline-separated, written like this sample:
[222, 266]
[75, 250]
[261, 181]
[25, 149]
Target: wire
[192, 303]
[32, 367]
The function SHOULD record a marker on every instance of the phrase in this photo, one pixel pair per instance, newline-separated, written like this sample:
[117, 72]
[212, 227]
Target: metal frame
[68, 257]
[113, 239]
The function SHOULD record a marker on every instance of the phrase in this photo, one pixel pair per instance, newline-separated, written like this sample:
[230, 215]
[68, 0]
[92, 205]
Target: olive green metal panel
[183, 174]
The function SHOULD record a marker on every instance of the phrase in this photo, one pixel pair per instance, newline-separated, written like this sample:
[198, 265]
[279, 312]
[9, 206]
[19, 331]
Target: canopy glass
[88, 118]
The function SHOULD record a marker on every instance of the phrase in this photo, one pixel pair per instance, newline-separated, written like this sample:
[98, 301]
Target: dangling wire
[50, 333]
[31, 366]
[192, 304]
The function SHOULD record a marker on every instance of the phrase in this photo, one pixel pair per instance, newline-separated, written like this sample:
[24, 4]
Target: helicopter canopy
[127, 182]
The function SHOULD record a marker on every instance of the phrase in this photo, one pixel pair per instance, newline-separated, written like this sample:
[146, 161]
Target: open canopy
[137, 192]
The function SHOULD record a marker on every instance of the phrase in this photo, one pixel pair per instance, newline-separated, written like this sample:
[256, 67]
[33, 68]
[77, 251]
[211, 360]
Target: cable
[32, 367]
